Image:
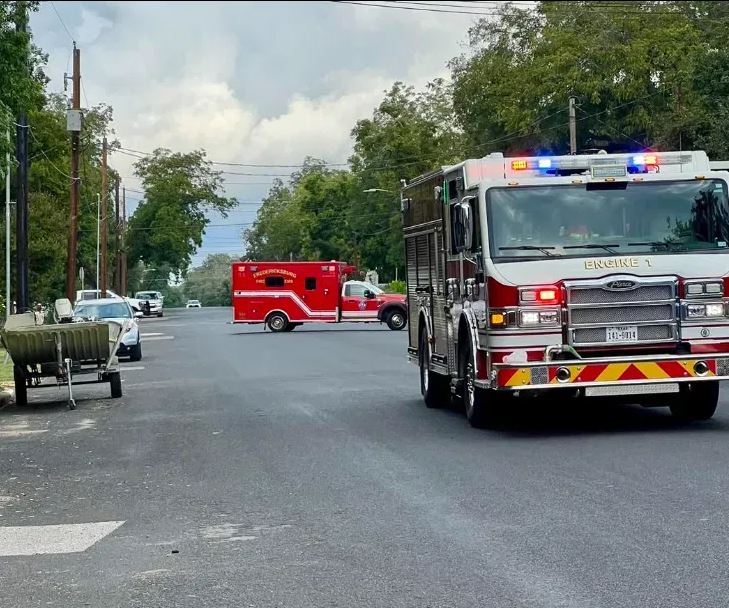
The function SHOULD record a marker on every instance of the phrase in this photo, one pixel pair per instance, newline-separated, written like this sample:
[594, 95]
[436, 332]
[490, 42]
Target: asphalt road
[244, 468]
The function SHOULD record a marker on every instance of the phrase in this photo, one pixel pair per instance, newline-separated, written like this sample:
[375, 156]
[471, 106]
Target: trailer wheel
[396, 320]
[277, 322]
[434, 387]
[483, 407]
[697, 401]
[21, 387]
[116, 385]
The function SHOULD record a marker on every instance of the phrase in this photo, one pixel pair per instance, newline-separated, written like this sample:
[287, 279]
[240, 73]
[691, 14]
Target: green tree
[168, 225]
[631, 69]
[210, 282]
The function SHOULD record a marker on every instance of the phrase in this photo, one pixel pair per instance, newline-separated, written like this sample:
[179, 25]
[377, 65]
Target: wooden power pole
[117, 239]
[74, 126]
[104, 219]
[21, 207]
[123, 265]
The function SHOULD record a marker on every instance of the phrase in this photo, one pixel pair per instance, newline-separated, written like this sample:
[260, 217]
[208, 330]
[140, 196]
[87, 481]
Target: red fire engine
[284, 295]
[594, 275]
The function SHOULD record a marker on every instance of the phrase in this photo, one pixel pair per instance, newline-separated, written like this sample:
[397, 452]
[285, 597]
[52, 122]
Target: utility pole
[123, 281]
[74, 125]
[104, 219]
[7, 229]
[98, 242]
[117, 239]
[21, 207]
[573, 127]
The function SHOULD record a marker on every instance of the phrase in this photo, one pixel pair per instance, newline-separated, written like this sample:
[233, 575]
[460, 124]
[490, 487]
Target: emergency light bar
[597, 166]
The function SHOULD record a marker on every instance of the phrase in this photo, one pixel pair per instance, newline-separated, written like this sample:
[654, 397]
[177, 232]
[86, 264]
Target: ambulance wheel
[396, 320]
[434, 387]
[277, 322]
[483, 407]
[696, 401]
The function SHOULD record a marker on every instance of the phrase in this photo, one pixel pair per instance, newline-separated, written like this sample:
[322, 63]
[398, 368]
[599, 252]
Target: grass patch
[6, 369]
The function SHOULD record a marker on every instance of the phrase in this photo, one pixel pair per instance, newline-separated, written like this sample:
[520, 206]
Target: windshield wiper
[665, 244]
[610, 247]
[545, 250]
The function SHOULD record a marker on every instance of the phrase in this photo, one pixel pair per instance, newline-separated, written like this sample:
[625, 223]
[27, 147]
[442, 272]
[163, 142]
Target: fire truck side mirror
[368, 294]
[463, 226]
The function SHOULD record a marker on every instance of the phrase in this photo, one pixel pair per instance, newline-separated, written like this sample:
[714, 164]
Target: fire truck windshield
[635, 217]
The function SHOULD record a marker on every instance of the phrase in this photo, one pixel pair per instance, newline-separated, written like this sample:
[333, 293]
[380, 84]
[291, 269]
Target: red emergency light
[540, 295]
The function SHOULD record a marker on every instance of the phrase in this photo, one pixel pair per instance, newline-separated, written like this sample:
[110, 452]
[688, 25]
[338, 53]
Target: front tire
[396, 320]
[434, 387]
[697, 401]
[135, 353]
[483, 407]
[277, 322]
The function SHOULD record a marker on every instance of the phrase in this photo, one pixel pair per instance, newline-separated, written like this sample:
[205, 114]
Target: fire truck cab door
[355, 306]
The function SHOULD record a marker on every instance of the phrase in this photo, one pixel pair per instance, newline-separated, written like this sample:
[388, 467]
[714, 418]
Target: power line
[55, 10]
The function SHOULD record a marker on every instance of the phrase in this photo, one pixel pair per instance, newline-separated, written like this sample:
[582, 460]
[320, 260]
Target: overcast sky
[250, 82]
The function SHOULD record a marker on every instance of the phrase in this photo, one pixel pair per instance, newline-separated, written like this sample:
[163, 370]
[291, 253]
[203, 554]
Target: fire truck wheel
[396, 320]
[434, 387]
[696, 401]
[277, 322]
[482, 406]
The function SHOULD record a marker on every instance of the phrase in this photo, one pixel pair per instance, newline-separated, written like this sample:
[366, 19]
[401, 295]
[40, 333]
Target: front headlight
[534, 318]
[131, 337]
[700, 311]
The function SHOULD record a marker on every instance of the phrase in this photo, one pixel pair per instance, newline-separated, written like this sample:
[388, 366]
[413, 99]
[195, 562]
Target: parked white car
[193, 304]
[114, 309]
[95, 294]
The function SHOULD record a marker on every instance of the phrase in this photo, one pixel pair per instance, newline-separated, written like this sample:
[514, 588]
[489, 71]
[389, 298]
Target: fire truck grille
[623, 314]
[598, 295]
[645, 314]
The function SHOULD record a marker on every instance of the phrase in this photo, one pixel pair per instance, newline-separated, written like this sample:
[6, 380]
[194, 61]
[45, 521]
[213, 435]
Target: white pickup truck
[95, 294]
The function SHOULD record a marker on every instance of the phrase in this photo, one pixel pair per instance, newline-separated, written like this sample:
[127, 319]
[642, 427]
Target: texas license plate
[621, 333]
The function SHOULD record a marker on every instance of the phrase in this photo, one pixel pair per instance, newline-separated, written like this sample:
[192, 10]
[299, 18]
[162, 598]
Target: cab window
[355, 291]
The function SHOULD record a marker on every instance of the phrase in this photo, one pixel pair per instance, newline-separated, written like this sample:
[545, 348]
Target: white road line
[153, 334]
[132, 368]
[62, 538]
[153, 338]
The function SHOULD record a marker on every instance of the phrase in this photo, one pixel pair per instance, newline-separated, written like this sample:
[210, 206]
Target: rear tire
[21, 387]
[697, 401]
[434, 387]
[135, 353]
[161, 315]
[277, 322]
[484, 408]
[116, 385]
[396, 320]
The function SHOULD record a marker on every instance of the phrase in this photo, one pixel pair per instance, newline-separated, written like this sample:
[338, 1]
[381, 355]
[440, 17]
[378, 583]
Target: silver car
[111, 309]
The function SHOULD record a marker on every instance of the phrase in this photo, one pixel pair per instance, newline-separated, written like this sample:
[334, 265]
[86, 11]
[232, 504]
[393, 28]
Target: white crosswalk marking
[53, 539]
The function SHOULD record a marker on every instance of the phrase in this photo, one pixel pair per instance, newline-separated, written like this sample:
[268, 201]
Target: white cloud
[248, 82]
